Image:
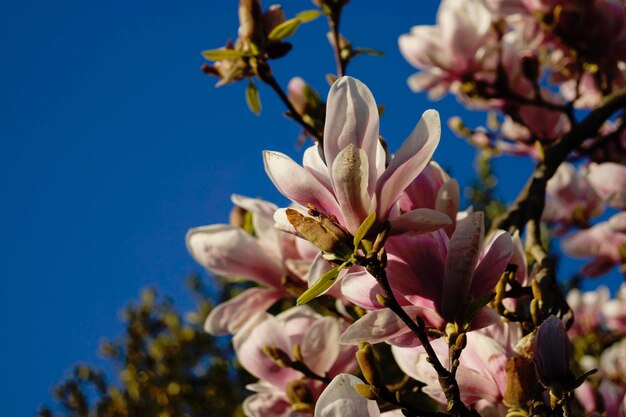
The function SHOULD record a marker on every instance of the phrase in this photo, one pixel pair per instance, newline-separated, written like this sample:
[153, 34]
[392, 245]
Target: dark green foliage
[168, 367]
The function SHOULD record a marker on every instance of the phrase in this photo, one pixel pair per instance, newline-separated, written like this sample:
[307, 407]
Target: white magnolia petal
[298, 184]
[410, 160]
[230, 251]
[340, 399]
[320, 346]
[351, 118]
[230, 316]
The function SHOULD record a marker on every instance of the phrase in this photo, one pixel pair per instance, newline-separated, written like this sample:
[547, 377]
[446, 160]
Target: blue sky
[113, 144]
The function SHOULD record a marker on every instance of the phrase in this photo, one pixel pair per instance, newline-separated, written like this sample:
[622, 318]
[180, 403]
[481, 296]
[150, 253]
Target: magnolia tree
[375, 292]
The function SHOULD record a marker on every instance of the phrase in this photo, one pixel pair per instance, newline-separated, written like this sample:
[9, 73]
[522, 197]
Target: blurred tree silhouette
[168, 366]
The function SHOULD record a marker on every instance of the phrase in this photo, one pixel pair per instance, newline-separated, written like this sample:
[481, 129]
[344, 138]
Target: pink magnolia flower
[615, 311]
[587, 308]
[451, 52]
[613, 362]
[266, 259]
[570, 197]
[605, 242]
[349, 181]
[433, 276]
[481, 374]
[609, 181]
[316, 338]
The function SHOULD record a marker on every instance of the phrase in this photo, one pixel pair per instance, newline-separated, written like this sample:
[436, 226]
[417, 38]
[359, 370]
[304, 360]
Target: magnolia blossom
[451, 52]
[314, 336]
[615, 311]
[266, 258]
[481, 374]
[605, 242]
[349, 181]
[432, 276]
[609, 181]
[570, 197]
[587, 308]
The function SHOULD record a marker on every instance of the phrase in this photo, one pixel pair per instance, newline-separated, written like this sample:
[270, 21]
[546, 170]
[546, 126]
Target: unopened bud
[369, 365]
[249, 18]
[366, 391]
[298, 393]
[552, 353]
[278, 356]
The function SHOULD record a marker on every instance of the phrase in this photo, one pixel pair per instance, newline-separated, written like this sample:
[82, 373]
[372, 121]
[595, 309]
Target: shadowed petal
[492, 265]
[461, 260]
[422, 220]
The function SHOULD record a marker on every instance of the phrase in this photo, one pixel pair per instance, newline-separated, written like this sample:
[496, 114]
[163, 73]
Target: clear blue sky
[113, 144]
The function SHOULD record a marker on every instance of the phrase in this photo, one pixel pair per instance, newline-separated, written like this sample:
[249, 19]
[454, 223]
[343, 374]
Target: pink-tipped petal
[230, 316]
[298, 184]
[351, 118]
[463, 252]
[492, 264]
[319, 347]
[409, 162]
[418, 221]
[230, 251]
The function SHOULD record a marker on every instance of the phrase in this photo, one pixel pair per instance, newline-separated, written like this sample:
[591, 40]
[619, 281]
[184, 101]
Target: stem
[265, 75]
[447, 380]
[334, 19]
[530, 202]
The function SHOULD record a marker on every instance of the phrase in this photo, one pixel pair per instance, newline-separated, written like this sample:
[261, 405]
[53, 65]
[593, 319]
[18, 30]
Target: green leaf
[321, 285]
[309, 15]
[220, 54]
[252, 98]
[285, 29]
[363, 229]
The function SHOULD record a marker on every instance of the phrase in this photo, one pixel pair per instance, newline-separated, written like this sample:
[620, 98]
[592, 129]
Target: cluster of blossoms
[534, 62]
[376, 294]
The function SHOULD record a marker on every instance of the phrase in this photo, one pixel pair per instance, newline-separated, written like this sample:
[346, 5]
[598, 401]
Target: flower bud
[298, 393]
[552, 352]
[249, 17]
[369, 365]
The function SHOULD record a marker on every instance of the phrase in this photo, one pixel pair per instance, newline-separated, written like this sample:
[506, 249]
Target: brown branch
[447, 379]
[530, 203]
[264, 73]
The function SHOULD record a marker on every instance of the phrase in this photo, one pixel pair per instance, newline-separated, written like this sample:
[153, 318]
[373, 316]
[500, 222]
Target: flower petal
[463, 251]
[230, 316]
[351, 118]
[340, 399]
[493, 263]
[320, 347]
[409, 162]
[422, 220]
[350, 179]
[298, 184]
[230, 251]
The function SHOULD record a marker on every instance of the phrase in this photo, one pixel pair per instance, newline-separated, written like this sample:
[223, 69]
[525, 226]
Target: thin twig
[265, 75]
